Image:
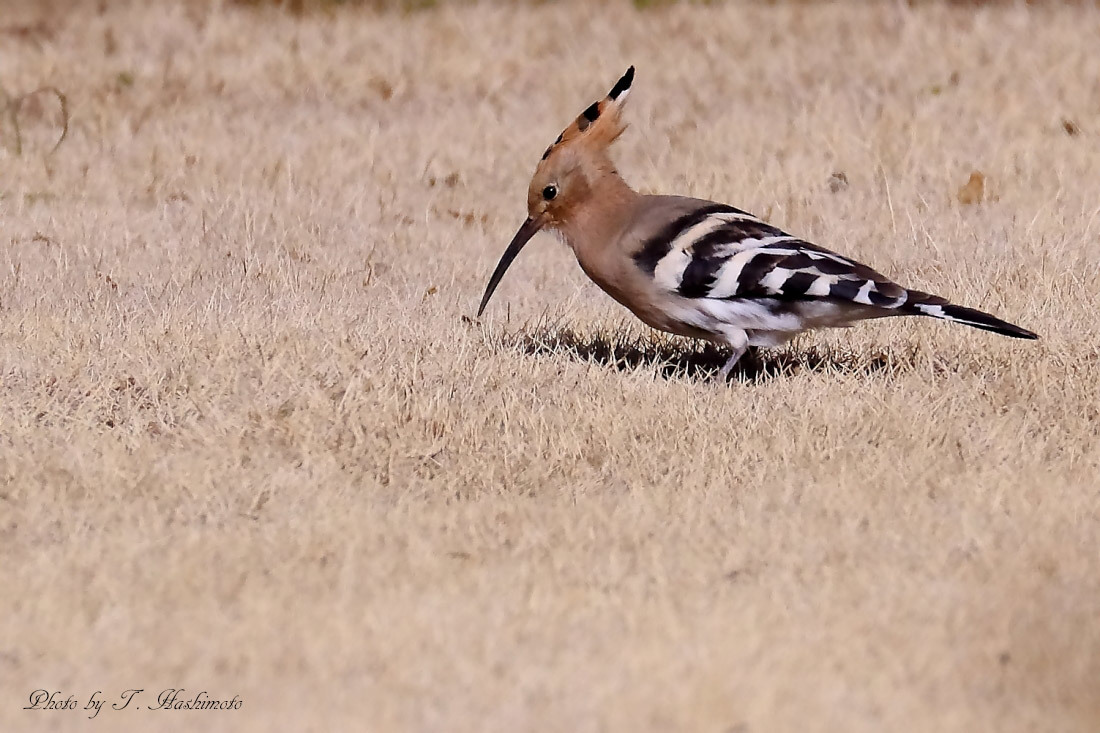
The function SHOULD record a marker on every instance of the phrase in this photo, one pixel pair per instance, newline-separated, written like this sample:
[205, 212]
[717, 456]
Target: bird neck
[595, 221]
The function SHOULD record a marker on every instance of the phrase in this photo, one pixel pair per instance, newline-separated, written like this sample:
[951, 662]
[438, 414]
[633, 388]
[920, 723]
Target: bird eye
[550, 192]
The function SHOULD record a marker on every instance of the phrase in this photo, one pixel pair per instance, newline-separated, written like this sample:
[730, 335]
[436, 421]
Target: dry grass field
[253, 442]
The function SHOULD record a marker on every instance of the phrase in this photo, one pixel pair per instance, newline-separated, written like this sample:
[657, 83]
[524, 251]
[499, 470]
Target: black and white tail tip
[939, 308]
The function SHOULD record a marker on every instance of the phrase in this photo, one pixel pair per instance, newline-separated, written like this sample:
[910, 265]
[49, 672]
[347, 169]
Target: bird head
[564, 177]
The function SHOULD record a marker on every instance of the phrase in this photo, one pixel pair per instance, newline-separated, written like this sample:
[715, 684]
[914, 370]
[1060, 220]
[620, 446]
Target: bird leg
[732, 361]
[738, 340]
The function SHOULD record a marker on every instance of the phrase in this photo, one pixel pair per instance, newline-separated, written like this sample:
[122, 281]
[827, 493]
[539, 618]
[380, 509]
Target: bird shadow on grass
[676, 358]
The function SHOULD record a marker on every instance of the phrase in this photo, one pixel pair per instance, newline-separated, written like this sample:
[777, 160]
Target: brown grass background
[251, 443]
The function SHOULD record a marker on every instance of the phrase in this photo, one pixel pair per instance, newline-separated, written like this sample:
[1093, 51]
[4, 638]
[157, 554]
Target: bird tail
[924, 304]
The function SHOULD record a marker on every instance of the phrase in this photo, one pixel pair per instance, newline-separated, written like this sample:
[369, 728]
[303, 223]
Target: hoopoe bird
[698, 268]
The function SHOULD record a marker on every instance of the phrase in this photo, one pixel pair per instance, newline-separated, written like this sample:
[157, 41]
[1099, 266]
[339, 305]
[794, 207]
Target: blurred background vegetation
[13, 9]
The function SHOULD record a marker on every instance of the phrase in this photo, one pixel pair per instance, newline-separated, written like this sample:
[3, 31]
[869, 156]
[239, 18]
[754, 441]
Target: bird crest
[600, 124]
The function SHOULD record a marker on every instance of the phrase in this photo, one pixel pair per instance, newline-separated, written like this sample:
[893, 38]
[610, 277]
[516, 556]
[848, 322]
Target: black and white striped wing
[719, 252]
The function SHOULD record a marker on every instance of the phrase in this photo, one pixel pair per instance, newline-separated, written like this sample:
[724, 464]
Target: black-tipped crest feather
[601, 122]
[623, 84]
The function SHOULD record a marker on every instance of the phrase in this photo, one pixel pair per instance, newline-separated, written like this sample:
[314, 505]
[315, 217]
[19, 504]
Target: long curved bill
[528, 230]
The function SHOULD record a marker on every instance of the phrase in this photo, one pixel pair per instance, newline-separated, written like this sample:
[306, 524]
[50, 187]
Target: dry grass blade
[13, 104]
